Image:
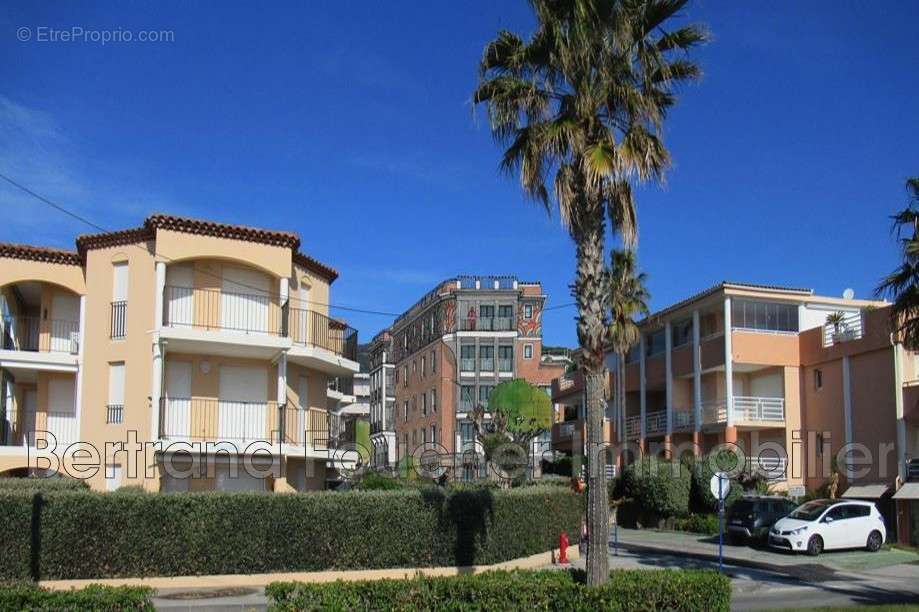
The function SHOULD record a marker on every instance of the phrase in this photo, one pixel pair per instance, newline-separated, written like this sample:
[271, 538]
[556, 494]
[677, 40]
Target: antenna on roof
[848, 294]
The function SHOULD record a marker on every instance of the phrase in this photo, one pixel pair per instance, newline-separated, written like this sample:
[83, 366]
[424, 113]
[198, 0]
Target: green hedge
[703, 468]
[698, 523]
[42, 484]
[27, 596]
[658, 489]
[518, 590]
[99, 535]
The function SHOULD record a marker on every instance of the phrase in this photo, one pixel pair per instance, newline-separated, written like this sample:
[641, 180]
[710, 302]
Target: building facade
[382, 401]
[452, 348]
[183, 333]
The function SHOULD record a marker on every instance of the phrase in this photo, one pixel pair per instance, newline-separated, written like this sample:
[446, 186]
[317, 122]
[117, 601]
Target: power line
[96, 226]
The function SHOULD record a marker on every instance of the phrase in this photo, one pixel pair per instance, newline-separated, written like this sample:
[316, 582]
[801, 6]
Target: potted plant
[840, 327]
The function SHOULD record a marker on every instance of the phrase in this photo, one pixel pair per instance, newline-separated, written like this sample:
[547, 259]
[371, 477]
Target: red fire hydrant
[563, 549]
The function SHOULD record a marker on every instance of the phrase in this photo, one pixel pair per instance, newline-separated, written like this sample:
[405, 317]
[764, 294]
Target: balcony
[505, 365]
[773, 468]
[487, 324]
[633, 426]
[746, 409]
[683, 419]
[850, 327]
[242, 423]
[322, 342]
[39, 344]
[656, 422]
[467, 364]
[486, 364]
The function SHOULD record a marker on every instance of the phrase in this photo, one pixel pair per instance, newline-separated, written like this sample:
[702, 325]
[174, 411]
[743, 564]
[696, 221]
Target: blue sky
[351, 124]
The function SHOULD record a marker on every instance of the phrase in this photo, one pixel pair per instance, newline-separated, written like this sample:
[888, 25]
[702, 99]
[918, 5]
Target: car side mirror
[828, 519]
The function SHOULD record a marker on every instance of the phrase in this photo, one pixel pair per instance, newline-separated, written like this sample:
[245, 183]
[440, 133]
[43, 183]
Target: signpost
[720, 486]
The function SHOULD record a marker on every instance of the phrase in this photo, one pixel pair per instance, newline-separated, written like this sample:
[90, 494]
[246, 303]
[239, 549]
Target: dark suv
[751, 516]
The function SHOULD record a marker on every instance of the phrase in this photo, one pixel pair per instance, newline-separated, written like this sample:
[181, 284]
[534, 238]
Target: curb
[261, 580]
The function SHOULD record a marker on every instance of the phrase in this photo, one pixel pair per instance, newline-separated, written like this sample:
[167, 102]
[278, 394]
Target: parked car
[751, 516]
[826, 524]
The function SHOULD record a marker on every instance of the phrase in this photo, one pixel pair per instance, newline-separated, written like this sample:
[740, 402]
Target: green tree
[627, 298]
[525, 408]
[580, 107]
[902, 285]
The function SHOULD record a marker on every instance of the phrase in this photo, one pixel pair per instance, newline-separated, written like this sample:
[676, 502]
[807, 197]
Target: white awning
[910, 490]
[872, 491]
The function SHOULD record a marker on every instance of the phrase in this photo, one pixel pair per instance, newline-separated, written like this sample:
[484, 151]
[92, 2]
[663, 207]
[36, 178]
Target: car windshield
[742, 506]
[810, 511]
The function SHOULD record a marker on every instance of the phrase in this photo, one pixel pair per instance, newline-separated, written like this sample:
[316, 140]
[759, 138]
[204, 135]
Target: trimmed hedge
[27, 596]
[517, 590]
[706, 524]
[99, 535]
[43, 484]
[658, 489]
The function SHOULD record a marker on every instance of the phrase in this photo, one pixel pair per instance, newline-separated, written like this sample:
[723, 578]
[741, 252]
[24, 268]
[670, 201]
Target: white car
[826, 524]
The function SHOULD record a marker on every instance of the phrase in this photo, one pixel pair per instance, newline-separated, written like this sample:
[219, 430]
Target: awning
[910, 490]
[872, 491]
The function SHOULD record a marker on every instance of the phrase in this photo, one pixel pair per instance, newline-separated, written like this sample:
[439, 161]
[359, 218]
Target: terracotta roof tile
[223, 230]
[36, 253]
[109, 239]
[327, 272]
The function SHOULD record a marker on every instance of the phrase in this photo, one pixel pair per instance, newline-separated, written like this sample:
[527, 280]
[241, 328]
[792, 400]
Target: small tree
[838, 321]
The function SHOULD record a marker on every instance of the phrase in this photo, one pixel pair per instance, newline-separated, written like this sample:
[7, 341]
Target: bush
[701, 499]
[698, 523]
[51, 483]
[374, 481]
[658, 489]
[99, 535]
[27, 596]
[562, 467]
[517, 590]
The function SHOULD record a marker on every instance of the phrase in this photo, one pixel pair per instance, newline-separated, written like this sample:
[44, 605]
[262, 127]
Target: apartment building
[452, 348]
[184, 331]
[763, 367]
[382, 401]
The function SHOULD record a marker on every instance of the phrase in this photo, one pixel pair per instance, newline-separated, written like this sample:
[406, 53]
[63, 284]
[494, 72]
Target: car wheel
[815, 546]
[875, 540]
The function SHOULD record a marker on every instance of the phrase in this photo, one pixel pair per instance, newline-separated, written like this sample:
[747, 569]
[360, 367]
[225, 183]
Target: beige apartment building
[185, 331]
[764, 368]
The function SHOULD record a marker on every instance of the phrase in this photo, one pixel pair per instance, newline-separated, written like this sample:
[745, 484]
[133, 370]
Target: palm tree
[580, 107]
[902, 285]
[626, 298]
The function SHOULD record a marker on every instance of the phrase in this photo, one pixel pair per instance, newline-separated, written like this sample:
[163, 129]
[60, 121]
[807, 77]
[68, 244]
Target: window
[424, 404]
[433, 362]
[505, 318]
[423, 367]
[433, 400]
[396, 376]
[506, 358]
[467, 397]
[681, 332]
[527, 351]
[404, 376]
[486, 311]
[764, 316]
[818, 380]
[434, 434]
[484, 394]
[467, 435]
[414, 366]
[527, 311]
[424, 436]
[487, 358]
[115, 408]
[414, 437]
[119, 299]
[655, 343]
[405, 410]
[467, 358]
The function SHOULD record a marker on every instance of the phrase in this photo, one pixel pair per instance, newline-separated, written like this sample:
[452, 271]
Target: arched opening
[39, 316]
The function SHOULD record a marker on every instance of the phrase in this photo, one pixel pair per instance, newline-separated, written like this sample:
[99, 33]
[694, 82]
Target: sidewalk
[706, 547]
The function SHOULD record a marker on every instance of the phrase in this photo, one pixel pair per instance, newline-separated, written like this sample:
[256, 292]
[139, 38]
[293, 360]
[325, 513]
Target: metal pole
[720, 526]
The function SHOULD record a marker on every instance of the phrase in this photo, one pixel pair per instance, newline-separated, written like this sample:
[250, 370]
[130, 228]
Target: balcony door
[244, 301]
[178, 400]
[180, 295]
[65, 322]
[29, 408]
[62, 417]
[242, 410]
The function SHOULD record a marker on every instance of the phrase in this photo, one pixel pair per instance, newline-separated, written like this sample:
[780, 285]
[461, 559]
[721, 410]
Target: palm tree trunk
[588, 291]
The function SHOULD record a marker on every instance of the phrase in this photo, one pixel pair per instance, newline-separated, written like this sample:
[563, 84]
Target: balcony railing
[310, 328]
[119, 319]
[64, 427]
[25, 334]
[467, 364]
[656, 422]
[505, 365]
[114, 413]
[242, 422]
[683, 419]
[746, 408]
[912, 470]
[566, 429]
[633, 426]
[772, 467]
[491, 324]
[214, 309]
[486, 364]
[849, 328]
[342, 385]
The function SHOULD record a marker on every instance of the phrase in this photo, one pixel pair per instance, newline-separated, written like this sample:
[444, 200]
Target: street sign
[720, 489]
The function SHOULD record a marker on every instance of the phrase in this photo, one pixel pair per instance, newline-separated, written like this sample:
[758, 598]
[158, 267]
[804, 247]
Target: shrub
[703, 468]
[658, 489]
[27, 596]
[698, 523]
[374, 481]
[517, 590]
[51, 483]
[99, 535]
[562, 467]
